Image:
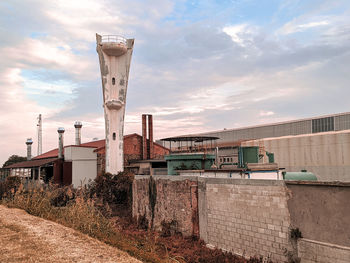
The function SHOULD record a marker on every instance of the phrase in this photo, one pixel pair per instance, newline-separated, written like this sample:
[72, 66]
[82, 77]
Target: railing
[113, 39]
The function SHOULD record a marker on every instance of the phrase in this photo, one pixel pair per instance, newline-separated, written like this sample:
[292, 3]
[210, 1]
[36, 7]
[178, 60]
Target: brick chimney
[150, 136]
[144, 137]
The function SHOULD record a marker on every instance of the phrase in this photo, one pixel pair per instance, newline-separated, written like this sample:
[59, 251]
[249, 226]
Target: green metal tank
[299, 176]
[198, 161]
[248, 154]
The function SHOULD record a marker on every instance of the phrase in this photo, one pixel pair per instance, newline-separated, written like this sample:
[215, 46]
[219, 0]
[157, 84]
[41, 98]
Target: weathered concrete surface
[176, 201]
[255, 217]
[114, 74]
[321, 211]
[25, 238]
[311, 251]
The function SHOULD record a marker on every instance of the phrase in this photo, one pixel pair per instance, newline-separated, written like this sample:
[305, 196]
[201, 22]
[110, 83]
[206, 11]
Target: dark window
[323, 124]
[114, 136]
[113, 81]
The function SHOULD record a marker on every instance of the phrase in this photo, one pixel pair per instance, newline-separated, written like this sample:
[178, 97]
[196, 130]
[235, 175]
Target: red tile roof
[54, 152]
[99, 145]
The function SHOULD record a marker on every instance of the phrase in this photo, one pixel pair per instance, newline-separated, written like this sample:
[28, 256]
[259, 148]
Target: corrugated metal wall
[325, 154]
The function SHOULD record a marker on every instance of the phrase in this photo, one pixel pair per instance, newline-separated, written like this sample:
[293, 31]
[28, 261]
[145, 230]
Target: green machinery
[247, 154]
[299, 176]
[195, 161]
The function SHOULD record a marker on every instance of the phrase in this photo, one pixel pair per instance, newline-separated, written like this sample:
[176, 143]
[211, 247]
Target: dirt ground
[26, 238]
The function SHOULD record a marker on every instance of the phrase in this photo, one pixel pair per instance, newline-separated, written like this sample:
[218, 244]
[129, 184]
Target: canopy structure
[191, 143]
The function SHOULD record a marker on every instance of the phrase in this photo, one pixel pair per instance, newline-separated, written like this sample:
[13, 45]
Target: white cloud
[240, 33]
[294, 26]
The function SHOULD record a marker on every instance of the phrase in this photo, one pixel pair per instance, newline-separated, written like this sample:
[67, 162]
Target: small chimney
[29, 143]
[60, 131]
[144, 137]
[78, 126]
[150, 135]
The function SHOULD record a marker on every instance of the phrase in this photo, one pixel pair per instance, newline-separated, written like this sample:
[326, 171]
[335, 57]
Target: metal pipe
[77, 126]
[60, 131]
[29, 143]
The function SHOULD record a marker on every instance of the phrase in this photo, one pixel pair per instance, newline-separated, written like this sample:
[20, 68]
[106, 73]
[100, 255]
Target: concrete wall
[321, 211]
[311, 251]
[327, 155]
[254, 217]
[176, 200]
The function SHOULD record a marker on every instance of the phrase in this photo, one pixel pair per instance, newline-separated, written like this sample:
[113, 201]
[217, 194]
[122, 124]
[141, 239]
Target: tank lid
[78, 124]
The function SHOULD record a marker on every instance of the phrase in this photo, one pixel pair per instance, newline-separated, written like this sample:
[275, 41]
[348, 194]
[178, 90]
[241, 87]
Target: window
[323, 124]
[113, 81]
[114, 136]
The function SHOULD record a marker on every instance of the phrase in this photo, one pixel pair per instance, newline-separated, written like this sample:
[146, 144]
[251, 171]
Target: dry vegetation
[103, 211]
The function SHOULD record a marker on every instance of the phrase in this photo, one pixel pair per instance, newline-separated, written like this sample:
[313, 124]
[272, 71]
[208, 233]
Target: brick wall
[176, 201]
[133, 149]
[246, 217]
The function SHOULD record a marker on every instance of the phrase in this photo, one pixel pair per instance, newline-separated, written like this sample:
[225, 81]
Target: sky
[197, 66]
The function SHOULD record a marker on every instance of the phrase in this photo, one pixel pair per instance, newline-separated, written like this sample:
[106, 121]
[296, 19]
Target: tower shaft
[115, 56]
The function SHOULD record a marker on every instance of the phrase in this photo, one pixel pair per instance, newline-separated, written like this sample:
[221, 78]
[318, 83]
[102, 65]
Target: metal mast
[40, 135]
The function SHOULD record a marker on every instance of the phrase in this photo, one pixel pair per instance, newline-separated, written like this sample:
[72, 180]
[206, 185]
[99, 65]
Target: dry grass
[77, 211]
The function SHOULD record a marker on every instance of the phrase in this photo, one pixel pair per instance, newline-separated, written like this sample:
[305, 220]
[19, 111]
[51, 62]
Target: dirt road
[26, 238]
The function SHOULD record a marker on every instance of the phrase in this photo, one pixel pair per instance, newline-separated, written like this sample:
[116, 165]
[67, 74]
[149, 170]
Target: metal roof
[32, 163]
[192, 138]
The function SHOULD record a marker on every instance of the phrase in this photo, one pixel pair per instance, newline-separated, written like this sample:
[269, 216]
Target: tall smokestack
[78, 126]
[60, 131]
[150, 135]
[29, 143]
[144, 137]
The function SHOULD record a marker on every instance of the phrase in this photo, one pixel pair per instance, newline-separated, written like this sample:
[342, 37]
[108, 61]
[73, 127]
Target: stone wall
[246, 217]
[176, 202]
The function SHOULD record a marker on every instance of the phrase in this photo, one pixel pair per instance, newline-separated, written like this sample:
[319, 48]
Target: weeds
[85, 210]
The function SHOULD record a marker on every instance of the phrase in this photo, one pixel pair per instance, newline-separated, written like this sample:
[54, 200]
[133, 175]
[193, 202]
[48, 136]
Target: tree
[14, 159]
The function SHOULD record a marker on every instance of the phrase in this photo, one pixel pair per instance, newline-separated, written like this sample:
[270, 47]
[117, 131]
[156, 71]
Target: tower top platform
[114, 45]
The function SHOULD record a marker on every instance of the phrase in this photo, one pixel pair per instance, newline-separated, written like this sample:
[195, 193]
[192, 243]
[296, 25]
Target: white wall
[84, 164]
[327, 155]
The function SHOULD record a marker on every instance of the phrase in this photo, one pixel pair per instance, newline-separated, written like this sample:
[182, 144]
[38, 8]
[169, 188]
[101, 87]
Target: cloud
[195, 67]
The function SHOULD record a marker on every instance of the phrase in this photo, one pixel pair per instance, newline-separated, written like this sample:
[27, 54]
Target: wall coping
[207, 180]
[324, 244]
[235, 181]
[319, 183]
[167, 177]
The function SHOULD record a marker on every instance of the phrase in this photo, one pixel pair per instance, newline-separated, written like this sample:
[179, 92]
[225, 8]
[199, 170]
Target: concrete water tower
[115, 56]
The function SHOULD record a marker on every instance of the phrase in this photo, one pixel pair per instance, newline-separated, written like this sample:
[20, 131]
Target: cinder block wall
[176, 201]
[246, 217]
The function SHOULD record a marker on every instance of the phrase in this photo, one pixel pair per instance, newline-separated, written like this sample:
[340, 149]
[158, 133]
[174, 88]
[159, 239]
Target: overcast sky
[197, 65]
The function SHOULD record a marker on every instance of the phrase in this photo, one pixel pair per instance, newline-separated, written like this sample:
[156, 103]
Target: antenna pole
[40, 134]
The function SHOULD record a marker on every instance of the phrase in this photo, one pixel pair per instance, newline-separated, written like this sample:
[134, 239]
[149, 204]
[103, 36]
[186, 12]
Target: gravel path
[26, 238]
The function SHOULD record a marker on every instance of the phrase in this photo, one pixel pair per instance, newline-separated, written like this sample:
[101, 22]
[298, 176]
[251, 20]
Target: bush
[9, 187]
[113, 189]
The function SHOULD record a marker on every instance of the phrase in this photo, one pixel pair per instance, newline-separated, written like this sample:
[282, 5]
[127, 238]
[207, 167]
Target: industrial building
[320, 145]
[80, 163]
